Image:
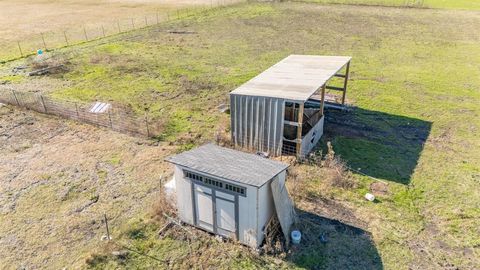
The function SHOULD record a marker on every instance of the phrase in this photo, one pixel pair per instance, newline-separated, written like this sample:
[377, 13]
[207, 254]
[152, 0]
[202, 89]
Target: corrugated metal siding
[257, 122]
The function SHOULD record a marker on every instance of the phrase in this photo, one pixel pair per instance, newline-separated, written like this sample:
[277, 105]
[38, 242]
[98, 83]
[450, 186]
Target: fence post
[15, 96]
[44, 44]
[20, 48]
[146, 124]
[146, 21]
[157, 18]
[76, 108]
[106, 225]
[103, 31]
[43, 103]
[133, 23]
[65, 36]
[118, 25]
[85, 32]
[110, 118]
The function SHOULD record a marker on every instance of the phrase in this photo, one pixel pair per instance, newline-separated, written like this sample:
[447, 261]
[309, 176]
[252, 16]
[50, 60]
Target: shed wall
[266, 206]
[247, 217]
[257, 122]
[184, 196]
[247, 214]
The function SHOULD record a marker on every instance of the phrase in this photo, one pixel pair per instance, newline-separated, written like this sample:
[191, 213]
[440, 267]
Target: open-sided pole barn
[282, 109]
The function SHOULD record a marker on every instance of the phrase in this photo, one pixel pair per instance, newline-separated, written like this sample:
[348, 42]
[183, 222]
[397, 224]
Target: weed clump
[55, 64]
[163, 206]
[335, 170]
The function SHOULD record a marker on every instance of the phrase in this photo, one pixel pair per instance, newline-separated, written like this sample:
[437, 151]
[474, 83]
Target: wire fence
[287, 149]
[51, 40]
[117, 119]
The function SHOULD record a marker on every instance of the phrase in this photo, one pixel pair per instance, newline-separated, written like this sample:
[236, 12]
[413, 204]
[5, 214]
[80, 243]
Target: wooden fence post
[85, 32]
[43, 103]
[133, 23]
[76, 108]
[118, 25]
[146, 20]
[44, 44]
[110, 118]
[65, 36]
[157, 18]
[103, 31]
[20, 48]
[106, 226]
[15, 96]
[146, 124]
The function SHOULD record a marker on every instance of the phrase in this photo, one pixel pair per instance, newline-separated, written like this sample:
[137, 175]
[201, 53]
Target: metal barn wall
[257, 122]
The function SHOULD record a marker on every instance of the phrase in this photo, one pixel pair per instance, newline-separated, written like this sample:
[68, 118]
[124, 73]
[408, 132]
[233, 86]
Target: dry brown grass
[334, 171]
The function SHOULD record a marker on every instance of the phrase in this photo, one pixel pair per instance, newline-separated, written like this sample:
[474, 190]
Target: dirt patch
[58, 177]
[379, 188]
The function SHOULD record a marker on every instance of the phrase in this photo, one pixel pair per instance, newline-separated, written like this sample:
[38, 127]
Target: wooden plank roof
[296, 77]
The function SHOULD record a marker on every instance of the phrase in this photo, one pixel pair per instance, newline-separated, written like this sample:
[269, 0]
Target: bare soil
[58, 178]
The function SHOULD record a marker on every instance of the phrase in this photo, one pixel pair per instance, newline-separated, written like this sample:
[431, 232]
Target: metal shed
[227, 192]
[281, 110]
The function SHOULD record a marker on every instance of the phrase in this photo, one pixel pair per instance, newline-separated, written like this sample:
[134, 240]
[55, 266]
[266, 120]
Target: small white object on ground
[99, 107]
[370, 197]
[296, 237]
[104, 237]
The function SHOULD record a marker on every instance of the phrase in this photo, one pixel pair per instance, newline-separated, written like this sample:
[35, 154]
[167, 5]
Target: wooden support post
[85, 32]
[157, 17]
[299, 129]
[43, 39]
[146, 20]
[65, 36]
[133, 23]
[43, 103]
[345, 83]
[322, 103]
[15, 96]
[20, 48]
[118, 25]
[106, 225]
[103, 30]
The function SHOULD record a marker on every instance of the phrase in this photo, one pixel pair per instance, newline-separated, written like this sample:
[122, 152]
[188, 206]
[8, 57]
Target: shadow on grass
[377, 144]
[330, 244]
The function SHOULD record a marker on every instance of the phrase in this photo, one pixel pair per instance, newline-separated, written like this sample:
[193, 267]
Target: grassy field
[443, 4]
[25, 21]
[416, 124]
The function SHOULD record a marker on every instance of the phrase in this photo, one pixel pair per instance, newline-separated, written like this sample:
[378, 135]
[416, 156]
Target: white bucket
[370, 197]
[296, 236]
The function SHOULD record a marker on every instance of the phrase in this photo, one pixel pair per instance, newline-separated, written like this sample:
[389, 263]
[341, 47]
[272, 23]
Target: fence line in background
[59, 39]
[114, 118]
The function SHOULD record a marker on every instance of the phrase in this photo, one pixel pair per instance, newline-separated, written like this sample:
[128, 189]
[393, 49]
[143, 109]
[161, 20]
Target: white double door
[215, 211]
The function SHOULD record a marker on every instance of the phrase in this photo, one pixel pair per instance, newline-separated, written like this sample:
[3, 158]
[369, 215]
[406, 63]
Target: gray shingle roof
[229, 164]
